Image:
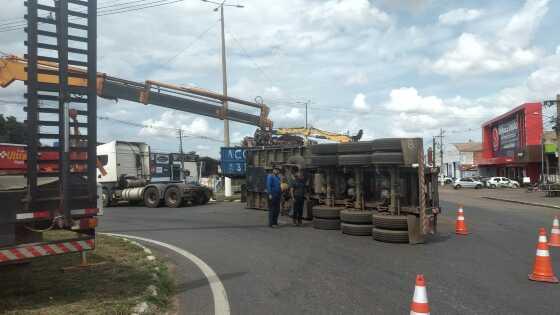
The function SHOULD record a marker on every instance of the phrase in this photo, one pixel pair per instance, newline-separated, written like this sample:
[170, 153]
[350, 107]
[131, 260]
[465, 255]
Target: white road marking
[221, 303]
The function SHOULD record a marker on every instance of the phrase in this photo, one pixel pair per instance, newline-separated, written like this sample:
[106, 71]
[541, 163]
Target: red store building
[511, 144]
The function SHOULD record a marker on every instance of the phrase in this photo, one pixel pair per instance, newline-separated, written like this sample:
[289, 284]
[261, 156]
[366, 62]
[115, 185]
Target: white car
[497, 182]
[467, 183]
[445, 179]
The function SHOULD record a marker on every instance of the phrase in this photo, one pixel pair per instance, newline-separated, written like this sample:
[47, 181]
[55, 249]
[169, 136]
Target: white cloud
[170, 121]
[459, 16]
[359, 104]
[358, 78]
[509, 49]
[407, 99]
[523, 25]
[349, 13]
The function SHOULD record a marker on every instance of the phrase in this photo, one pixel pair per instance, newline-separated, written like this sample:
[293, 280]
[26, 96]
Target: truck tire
[324, 148]
[387, 145]
[324, 212]
[356, 229]
[173, 197]
[390, 222]
[390, 236]
[354, 159]
[326, 224]
[356, 217]
[324, 160]
[355, 147]
[106, 198]
[387, 158]
[151, 197]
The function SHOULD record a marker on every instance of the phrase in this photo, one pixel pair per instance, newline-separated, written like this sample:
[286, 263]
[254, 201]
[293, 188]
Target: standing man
[274, 194]
[298, 190]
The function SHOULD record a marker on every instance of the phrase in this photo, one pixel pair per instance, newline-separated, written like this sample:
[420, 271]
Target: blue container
[233, 161]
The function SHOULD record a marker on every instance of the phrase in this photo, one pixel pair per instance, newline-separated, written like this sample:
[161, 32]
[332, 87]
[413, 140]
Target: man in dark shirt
[274, 193]
[298, 190]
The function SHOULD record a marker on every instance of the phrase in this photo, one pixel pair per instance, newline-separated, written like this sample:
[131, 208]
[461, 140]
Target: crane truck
[59, 70]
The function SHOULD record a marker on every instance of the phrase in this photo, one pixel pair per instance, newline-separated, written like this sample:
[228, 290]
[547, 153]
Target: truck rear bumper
[35, 250]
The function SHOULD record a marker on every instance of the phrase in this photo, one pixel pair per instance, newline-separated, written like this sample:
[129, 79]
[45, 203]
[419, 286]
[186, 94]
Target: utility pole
[558, 136]
[180, 131]
[306, 103]
[441, 148]
[220, 6]
[434, 152]
[224, 78]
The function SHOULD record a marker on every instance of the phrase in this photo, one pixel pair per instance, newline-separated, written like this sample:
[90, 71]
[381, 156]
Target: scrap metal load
[380, 187]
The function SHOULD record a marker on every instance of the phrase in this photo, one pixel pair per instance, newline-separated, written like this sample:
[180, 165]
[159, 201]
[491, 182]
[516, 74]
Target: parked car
[500, 182]
[483, 180]
[445, 179]
[467, 183]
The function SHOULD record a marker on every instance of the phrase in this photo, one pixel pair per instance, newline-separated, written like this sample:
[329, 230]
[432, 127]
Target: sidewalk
[521, 196]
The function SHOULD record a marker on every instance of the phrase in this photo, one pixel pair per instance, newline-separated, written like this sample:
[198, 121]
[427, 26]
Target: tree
[12, 131]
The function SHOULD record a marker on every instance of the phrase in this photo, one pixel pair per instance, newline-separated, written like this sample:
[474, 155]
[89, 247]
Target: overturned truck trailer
[381, 187]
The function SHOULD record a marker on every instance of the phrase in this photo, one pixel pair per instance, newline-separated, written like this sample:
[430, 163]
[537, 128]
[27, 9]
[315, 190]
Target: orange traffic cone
[555, 233]
[420, 299]
[460, 225]
[542, 270]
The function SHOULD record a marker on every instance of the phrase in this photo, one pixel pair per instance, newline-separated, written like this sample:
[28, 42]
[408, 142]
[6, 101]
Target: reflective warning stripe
[542, 253]
[43, 214]
[33, 215]
[420, 295]
[460, 218]
[555, 231]
[542, 239]
[32, 251]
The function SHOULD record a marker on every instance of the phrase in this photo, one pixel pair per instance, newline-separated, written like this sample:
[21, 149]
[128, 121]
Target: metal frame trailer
[66, 198]
[387, 176]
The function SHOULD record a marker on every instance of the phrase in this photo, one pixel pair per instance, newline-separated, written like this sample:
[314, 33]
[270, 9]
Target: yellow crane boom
[187, 99]
[318, 134]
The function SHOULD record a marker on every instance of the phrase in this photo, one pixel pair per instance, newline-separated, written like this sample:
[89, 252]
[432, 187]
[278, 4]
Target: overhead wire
[118, 8]
[196, 39]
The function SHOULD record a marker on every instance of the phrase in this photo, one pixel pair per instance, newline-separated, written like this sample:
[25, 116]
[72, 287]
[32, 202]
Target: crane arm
[191, 100]
[318, 133]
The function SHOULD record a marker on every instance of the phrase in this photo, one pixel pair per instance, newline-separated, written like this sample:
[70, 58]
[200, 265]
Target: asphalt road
[300, 270]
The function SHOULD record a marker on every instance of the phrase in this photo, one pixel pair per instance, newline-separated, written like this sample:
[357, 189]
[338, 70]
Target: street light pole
[221, 5]
[224, 79]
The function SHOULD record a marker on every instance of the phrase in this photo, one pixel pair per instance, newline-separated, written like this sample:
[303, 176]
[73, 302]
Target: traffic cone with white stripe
[555, 233]
[460, 225]
[419, 304]
[542, 270]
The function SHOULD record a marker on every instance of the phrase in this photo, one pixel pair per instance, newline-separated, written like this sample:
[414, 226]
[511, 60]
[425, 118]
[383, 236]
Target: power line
[107, 10]
[133, 124]
[197, 38]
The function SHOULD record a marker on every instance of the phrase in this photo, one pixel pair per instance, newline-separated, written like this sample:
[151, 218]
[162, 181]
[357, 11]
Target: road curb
[523, 202]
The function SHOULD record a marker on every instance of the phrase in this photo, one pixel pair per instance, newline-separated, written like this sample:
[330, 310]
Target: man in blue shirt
[274, 193]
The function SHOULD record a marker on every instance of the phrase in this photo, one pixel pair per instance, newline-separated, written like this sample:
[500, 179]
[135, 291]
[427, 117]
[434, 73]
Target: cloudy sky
[390, 67]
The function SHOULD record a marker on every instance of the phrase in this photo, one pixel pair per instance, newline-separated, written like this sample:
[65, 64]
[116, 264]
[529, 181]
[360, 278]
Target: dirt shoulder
[116, 282]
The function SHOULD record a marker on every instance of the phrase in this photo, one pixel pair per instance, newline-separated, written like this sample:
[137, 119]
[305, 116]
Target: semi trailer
[381, 187]
[127, 178]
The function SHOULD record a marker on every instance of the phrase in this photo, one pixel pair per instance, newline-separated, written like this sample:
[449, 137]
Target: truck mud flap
[415, 235]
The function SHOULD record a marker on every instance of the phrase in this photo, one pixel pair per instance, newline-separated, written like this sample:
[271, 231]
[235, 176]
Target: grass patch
[115, 287]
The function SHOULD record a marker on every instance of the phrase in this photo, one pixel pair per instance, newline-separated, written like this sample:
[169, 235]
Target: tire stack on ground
[326, 218]
[356, 222]
[390, 228]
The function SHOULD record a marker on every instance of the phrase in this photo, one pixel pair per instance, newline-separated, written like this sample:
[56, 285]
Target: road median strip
[536, 204]
[125, 280]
